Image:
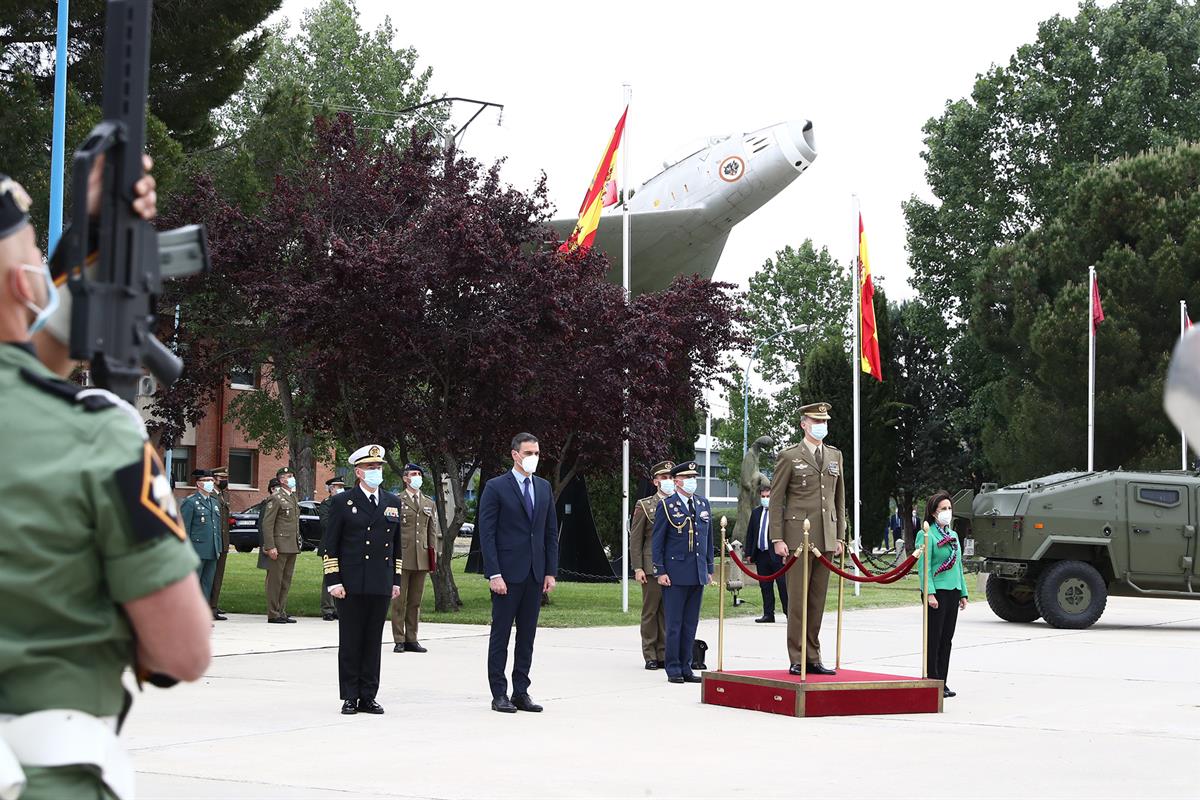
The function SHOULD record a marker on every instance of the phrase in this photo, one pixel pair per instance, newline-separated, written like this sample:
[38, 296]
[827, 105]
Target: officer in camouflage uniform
[281, 544]
[808, 484]
[641, 558]
[92, 553]
[334, 486]
[418, 533]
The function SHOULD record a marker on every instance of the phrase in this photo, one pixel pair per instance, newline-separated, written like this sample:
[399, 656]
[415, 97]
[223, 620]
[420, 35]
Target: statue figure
[751, 482]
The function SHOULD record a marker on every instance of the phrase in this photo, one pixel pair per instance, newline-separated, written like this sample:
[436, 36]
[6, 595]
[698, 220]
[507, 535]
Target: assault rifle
[114, 300]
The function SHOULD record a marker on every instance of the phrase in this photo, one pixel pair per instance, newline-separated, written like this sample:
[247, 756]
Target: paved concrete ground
[1113, 711]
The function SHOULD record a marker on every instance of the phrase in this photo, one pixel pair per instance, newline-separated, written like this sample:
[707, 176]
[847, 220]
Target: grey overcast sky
[868, 74]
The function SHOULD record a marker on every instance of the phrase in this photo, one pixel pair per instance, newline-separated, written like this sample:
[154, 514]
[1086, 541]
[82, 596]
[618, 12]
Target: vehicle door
[1159, 527]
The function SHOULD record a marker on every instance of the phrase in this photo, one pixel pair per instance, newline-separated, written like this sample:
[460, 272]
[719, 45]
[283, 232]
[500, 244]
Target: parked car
[245, 534]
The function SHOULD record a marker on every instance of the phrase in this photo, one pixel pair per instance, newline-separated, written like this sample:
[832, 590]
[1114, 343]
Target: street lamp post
[746, 384]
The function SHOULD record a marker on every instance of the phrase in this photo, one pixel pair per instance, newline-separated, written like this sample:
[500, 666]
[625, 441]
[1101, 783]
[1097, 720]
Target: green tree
[1136, 221]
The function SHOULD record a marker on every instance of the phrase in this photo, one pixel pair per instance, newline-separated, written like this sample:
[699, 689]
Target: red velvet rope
[762, 578]
[888, 577]
[859, 564]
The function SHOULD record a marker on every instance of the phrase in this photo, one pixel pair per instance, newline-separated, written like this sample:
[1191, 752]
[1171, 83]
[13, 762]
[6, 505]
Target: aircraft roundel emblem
[732, 169]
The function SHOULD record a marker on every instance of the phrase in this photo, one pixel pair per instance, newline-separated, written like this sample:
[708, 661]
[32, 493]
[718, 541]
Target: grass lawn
[573, 605]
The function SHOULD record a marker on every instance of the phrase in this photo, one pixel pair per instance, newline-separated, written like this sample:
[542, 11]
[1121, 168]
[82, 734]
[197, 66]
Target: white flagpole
[1183, 436]
[856, 367]
[1091, 425]
[625, 273]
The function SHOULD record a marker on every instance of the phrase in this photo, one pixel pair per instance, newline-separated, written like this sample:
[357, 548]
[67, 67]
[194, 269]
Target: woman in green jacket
[947, 590]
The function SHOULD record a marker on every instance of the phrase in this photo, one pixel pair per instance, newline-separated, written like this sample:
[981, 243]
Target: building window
[243, 377]
[181, 466]
[241, 467]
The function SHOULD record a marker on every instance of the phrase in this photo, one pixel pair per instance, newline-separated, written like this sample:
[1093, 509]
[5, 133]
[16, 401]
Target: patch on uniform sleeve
[147, 495]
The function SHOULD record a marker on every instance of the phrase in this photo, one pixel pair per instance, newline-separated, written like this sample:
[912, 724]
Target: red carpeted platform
[849, 693]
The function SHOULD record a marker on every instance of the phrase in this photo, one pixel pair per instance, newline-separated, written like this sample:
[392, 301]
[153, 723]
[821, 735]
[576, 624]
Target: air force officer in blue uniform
[518, 536]
[683, 559]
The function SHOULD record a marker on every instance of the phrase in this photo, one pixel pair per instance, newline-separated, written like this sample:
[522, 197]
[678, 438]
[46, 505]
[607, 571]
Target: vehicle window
[1159, 496]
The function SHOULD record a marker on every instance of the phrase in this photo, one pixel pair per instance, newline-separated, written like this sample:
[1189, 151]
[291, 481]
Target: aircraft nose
[797, 142]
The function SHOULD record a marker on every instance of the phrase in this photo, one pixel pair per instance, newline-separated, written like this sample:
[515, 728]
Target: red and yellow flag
[869, 337]
[601, 193]
[1097, 309]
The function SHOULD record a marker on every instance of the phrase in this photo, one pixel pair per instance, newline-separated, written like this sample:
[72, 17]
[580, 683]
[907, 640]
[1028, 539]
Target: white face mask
[414, 483]
[529, 464]
[337, 490]
[766, 501]
[291, 483]
[44, 313]
[819, 430]
[689, 485]
[206, 486]
[667, 486]
[373, 477]
[944, 518]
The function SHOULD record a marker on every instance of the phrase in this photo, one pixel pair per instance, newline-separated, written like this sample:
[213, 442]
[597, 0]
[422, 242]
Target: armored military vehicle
[1057, 547]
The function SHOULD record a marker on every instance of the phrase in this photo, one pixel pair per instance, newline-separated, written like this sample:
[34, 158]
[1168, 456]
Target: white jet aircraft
[680, 218]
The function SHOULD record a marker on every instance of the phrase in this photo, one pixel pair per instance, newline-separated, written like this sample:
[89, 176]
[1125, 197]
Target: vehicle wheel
[1012, 601]
[1071, 594]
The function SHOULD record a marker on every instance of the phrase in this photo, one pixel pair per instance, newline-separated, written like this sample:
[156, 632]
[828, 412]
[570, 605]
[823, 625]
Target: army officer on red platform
[362, 570]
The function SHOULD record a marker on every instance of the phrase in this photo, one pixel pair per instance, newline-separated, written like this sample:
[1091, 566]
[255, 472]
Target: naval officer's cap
[367, 454]
[14, 207]
[685, 469]
[662, 468]
[414, 468]
[815, 410]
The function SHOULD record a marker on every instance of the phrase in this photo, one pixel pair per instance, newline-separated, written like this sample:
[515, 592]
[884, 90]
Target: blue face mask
[819, 430]
[373, 477]
[44, 313]
[415, 482]
[765, 501]
[689, 485]
[291, 483]
[667, 487]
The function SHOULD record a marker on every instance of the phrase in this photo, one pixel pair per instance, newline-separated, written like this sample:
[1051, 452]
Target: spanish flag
[601, 193]
[866, 314]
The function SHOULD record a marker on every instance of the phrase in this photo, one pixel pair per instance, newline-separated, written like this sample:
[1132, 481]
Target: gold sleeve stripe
[399, 564]
[327, 560]
[331, 570]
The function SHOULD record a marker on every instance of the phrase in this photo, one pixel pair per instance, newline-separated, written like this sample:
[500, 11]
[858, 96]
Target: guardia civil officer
[808, 484]
[334, 486]
[201, 514]
[683, 559]
[281, 544]
[420, 540]
[362, 567]
[95, 568]
[641, 558]
[222, 476]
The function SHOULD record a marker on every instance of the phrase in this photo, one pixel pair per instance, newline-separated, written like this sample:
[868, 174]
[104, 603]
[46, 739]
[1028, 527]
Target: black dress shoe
[415, 647]
[503, 705]
[652, 664]
[820, 669]
[766, 618]
[948, 692]
[328, 617]
[220, 610]
[692, 679]
[399, 648]
[676, 679]
[524, 702]
[369, 707]
[289, 619]
[217, 615]
[277, 621]
[350, 707]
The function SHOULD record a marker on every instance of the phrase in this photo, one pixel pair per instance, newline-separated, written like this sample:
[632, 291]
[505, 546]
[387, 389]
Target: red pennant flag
[1097, 309]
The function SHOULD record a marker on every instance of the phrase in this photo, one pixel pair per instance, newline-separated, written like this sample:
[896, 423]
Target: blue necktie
[762, 532]
[528, 499]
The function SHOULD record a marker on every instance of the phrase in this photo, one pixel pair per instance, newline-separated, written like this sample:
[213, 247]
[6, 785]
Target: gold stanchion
[721, 602]
[926, 550]
[804, 608]
[841, 594]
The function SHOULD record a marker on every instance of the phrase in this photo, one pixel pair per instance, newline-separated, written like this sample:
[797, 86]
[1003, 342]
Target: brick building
[216, 442]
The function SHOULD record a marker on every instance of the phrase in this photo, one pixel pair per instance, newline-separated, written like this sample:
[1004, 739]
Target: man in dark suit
[683, 559]
[518, 536]
[762, 555]
[361, 559]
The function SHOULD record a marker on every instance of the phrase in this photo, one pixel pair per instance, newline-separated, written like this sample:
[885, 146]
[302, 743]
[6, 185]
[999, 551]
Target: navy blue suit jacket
[752, 526]
[683, 547]
[513, 545]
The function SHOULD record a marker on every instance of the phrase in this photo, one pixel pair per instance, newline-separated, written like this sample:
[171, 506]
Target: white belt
[62, 738]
